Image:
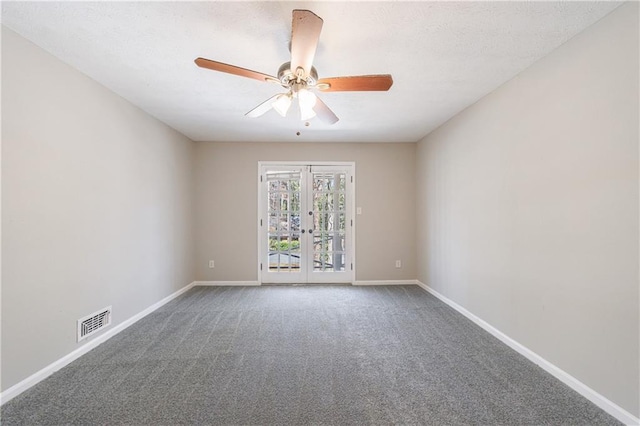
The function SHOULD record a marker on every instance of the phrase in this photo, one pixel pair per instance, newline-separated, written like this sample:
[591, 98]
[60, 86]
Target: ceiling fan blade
[324, 113]
[357, 83]
[232, 69]
[262, 108]
[305, 32]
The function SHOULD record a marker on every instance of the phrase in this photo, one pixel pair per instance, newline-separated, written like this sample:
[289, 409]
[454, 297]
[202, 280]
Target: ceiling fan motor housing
[287, 77]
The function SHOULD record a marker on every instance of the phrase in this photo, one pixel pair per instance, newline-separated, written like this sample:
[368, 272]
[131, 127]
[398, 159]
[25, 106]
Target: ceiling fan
[299, 76]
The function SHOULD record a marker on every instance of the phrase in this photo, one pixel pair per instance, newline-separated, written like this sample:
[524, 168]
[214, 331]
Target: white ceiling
[443, 56]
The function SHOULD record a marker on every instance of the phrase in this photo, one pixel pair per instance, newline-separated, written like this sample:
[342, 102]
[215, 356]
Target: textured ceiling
[443, 56]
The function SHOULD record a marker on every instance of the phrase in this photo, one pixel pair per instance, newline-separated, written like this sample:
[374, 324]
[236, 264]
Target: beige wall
[528, 208]
[96, 207]
[226, 205]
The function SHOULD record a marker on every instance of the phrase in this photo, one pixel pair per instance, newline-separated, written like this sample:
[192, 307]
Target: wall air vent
[93, 323]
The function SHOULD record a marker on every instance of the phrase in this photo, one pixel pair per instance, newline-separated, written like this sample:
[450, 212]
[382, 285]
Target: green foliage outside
[283, 245]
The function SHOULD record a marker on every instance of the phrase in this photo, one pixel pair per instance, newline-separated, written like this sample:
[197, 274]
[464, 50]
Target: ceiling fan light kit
[282, 104]
[299, 76]
[306, 100]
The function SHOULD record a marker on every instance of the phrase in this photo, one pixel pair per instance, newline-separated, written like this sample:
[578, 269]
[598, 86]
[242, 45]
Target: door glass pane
[273, 223]
[295, 201]
[337, 261]
[294, 262]
[295, 222]
[328, 261]
[323, 261]
[274, 261]
[284, 221]
[273, 243]
[341, 206]
[342, 222]
[329, 221]
[295, 243]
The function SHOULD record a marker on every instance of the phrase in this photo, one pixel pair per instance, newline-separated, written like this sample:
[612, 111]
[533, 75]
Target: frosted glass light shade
[306, 98]
[307, 101]
[282, 104]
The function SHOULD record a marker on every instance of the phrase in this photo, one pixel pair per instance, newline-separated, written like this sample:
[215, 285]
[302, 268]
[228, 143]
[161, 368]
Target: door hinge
[352, 266]
[261, 267]
[351, 222]
[352, 179]
[261, 222]
[260, 178]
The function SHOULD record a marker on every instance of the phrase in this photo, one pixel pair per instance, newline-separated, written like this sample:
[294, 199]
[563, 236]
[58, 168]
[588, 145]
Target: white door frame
[351, 197]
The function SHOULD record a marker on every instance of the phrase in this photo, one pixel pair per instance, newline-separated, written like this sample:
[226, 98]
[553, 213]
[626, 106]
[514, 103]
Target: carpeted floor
[303, 355]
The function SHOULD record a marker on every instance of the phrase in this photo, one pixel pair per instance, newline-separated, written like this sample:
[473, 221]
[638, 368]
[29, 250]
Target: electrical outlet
[212, 264]
[398, 263]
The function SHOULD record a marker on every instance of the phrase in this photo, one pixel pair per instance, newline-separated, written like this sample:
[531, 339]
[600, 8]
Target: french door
[306, 223]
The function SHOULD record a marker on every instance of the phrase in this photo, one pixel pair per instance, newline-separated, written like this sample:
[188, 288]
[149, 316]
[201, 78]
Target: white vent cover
[93, 323]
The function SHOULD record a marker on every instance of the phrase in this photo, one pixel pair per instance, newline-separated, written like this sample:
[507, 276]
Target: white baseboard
[37, 377]
[226, 283]
[605, 404]
[256, 283]
[386, 282]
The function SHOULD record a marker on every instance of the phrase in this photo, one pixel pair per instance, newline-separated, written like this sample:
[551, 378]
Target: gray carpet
[303, 355]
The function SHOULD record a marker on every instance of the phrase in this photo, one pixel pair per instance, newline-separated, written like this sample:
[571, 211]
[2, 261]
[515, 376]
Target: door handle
[302, 231]
[311, 231]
